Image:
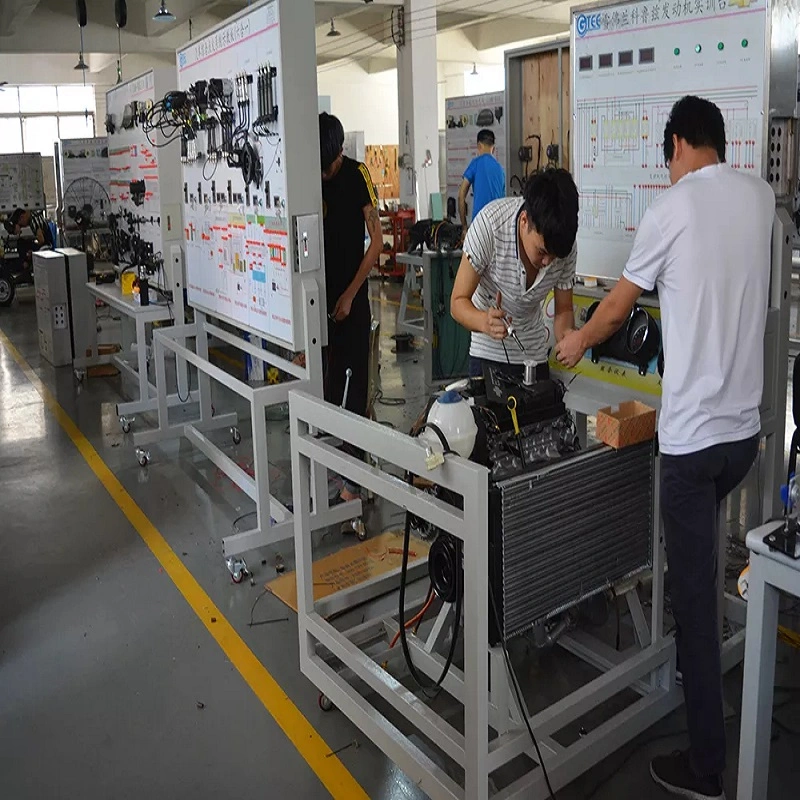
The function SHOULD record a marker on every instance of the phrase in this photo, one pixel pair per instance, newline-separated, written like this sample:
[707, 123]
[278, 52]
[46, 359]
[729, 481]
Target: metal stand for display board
[274, 520]
[136, 319]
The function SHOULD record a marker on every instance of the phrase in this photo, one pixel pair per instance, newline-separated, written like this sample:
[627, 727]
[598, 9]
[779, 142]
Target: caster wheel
[359, 529]
[238, 568]
[7, 289]
[143, 457]
[324, 704]
[236, 436]
[280, 565]
[125, 424]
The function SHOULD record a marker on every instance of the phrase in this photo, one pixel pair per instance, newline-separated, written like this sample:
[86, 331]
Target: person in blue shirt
[486, 177]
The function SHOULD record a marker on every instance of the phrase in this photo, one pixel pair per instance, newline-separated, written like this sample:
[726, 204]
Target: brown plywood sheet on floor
[350, 567]
[103, 371]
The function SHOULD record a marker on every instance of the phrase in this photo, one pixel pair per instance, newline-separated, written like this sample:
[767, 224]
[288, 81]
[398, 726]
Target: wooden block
[632, 423]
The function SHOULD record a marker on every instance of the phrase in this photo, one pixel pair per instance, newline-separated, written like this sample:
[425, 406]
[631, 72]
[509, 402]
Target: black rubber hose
[419, 678]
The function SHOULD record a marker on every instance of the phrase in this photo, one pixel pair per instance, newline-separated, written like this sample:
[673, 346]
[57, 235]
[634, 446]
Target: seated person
[34, 222]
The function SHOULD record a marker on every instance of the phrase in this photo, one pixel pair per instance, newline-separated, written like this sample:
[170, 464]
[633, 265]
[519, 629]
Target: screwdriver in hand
[510, 329]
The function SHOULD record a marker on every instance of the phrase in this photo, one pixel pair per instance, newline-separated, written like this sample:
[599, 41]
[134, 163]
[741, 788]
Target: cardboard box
[632, 423]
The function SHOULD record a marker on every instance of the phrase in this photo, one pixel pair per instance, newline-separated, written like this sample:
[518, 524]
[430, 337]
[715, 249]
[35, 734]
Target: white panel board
[86, 158]
[136, 156]
[354, 146]
[21, 182]
[630, 63]
[240, 253]
[464, 117]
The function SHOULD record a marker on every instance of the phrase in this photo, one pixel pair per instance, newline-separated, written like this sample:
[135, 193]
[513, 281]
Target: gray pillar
[417, 94]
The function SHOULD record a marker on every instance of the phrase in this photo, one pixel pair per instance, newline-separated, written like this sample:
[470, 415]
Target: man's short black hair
[486, 137]
[11, 223]
[551, 204]
[331, 139]
[699, 122]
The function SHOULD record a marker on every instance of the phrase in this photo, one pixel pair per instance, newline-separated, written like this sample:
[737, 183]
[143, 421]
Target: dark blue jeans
[692, 488]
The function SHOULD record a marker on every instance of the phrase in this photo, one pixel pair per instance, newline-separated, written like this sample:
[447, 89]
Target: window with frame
[34, 118]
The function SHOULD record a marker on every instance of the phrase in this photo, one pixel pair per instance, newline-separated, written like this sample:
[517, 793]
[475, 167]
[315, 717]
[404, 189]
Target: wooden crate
[632, 423]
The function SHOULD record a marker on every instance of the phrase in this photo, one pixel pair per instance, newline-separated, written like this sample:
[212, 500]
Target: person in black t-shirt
[349, 201]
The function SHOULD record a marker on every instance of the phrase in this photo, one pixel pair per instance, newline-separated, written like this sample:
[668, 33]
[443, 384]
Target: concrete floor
[111, 686]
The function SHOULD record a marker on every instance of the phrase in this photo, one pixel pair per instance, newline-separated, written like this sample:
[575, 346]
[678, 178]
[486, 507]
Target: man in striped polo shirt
[516, 251]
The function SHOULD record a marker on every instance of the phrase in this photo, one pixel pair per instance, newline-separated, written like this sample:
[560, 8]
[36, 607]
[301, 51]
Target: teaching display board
[21, 182]
[354, 146]
[84, 182]
[85, 158]
[630, 63]
[144, 172]
[464, 117]
[241, 229]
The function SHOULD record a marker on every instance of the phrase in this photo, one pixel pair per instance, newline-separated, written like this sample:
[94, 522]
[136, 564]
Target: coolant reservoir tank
[453, 416]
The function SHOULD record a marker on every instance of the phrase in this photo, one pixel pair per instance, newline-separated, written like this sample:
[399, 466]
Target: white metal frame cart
[253, 247]
[421, 326]
[144, 191]
[483, 687]
[354, 667]
[137, 321]
[771, 572]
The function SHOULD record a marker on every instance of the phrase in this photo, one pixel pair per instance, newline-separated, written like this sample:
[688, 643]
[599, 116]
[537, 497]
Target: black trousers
[692, 488]
[476, 367]
[348, 348]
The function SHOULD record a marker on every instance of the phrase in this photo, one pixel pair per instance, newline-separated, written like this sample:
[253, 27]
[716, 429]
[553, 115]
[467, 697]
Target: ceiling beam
[378, 64]
[500, 32]
[58, 33]
[13, 14]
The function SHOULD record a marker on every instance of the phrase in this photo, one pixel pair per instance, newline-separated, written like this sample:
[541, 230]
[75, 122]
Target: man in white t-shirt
[705, 245]
[516, 251]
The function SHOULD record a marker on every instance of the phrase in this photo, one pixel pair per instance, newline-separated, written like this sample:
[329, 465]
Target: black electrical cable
[505, 350]
[240, 518]
[422, 681]
[419, 678]
[518, 695]
[444, 559]
[251, 165]
[538, 151]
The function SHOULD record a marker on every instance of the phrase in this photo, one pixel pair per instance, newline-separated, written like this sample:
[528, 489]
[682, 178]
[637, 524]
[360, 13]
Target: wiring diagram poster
[631, 62]
[240, 269]
[464, 117]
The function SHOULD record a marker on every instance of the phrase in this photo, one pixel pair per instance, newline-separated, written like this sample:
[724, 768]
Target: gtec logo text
[586, 23]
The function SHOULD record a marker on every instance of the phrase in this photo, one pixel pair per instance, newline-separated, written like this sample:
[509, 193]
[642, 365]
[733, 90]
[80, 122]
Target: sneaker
[675, 774]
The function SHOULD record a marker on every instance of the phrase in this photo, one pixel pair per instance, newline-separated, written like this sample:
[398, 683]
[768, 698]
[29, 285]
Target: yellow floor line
[222, 356]
[311, 746]
[385, 301]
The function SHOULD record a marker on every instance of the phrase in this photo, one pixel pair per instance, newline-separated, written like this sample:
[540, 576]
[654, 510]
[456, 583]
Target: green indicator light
[720, 46]
[677, 51]
[744, 43]
[697, 48]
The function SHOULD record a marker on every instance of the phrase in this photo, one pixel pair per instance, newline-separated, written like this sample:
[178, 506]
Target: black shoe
[675, 774]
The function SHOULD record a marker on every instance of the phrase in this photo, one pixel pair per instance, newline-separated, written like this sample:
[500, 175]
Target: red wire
[413, 620]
